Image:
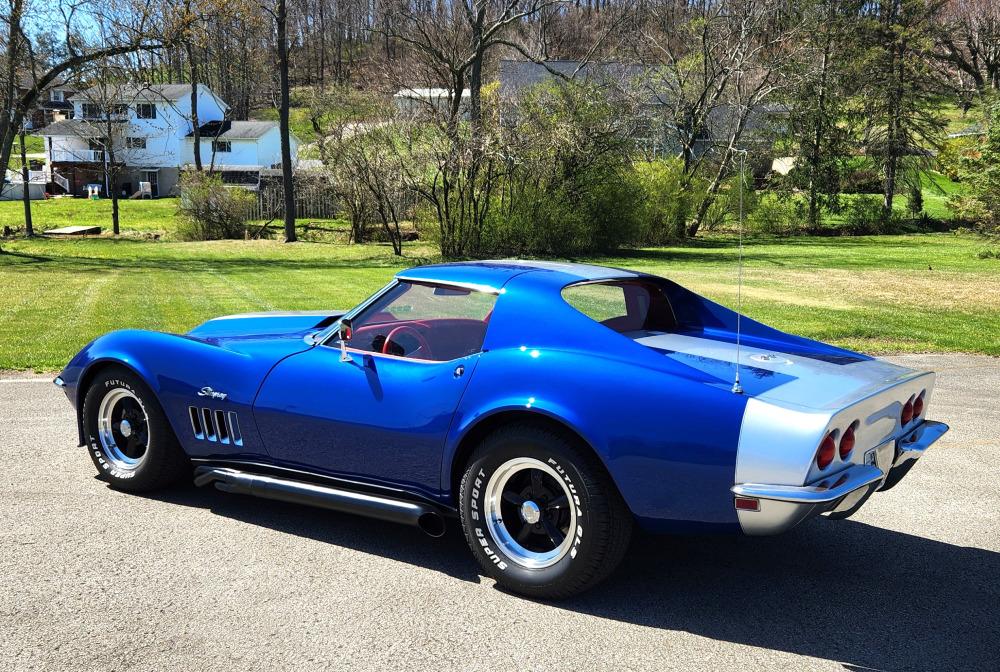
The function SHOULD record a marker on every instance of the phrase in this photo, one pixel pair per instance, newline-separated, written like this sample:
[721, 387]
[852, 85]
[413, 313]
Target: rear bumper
[781, 507]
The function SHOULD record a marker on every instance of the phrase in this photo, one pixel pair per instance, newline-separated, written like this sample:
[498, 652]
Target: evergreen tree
[901, 91]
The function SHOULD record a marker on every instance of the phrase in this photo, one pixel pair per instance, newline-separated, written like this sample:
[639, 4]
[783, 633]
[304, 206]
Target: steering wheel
[422, 343]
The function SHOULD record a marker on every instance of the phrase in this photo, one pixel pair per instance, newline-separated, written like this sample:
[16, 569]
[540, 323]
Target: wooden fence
[310, 201]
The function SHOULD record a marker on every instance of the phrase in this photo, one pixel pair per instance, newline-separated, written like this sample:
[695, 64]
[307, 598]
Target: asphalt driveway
[199, 580]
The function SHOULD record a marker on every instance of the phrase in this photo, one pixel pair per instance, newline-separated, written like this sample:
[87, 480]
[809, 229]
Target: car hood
[254, 331]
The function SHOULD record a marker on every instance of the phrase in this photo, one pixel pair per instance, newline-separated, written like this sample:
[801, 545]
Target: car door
[375, 415]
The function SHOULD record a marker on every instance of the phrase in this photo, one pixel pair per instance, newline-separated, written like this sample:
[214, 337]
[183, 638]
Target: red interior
[446, 338]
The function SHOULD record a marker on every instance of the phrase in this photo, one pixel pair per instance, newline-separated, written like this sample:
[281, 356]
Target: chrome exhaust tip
[432, 523]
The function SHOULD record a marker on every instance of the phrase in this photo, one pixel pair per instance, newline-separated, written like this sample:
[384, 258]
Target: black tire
[159, 459]
[603, 523]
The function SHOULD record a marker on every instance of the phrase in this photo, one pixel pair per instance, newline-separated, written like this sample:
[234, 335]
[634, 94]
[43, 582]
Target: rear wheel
[540, 514]
[128, 435]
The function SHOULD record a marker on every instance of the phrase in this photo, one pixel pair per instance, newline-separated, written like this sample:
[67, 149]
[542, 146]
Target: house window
[95, 146]
[96, 111]
[135, 143]
[220, 146]
[56, 96]
[145, 111]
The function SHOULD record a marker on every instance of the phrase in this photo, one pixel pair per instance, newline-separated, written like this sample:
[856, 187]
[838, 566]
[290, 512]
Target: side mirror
[345, 332]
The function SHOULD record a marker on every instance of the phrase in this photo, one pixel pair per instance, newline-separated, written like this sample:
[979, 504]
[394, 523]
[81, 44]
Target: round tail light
[827, 449]
[918, 405]
[907, 414]
[847, 442]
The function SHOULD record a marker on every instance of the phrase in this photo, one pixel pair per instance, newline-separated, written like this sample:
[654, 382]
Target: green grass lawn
[877, 294]
[147, 216]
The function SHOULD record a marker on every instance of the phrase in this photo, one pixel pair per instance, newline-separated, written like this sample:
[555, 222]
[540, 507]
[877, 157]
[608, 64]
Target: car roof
[492, 275]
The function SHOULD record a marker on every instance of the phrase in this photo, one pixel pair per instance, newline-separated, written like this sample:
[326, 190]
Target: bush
[599, 212]
[570, 185]
[955, 153]
[915, 199]
[980, 167]
[862, 181]
[775, 216]
[863, 216]
[666, 206]
[209, 210]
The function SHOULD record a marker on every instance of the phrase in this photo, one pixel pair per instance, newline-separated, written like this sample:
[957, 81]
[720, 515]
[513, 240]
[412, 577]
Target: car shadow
[868, 597]
[846, 591]
[448, 554]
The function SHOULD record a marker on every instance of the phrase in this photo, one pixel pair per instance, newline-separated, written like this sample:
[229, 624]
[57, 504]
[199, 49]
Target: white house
[239, 150]
[148, 127]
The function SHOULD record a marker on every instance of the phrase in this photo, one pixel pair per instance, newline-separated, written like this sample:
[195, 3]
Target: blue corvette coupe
[549, 407]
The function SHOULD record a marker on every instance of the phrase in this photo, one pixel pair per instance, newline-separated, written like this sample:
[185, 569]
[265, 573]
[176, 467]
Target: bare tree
[93, 30]
[968, 40]
[280, 15]
[449, 48]
[723, 63]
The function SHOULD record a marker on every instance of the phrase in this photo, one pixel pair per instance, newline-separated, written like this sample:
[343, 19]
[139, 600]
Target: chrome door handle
[459, 370]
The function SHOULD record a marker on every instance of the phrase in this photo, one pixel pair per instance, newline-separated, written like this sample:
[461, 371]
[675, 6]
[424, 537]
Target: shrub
[915, 199]
[209, 210]
[981, 170]
[666, 205]
[570, 185]
[775, 216]
[863, 216]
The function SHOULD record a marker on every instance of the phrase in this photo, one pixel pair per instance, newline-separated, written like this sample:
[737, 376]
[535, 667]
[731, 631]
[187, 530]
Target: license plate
[870, 458]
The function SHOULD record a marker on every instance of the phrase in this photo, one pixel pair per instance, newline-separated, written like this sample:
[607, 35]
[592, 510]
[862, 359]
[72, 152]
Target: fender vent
[215, 426]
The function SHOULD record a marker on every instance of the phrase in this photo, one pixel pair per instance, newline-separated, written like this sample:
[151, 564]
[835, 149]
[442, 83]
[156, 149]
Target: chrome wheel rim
[530, 512]
[123, 429]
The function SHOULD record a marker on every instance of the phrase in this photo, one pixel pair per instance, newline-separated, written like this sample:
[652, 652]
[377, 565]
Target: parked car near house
[548, 407]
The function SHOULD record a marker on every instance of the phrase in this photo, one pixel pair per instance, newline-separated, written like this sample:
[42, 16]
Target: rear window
[623, 305]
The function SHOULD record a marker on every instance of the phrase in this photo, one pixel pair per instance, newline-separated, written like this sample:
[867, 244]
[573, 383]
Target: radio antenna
[737, 388]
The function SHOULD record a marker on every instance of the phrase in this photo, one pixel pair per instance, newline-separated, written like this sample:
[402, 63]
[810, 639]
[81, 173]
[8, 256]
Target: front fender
[175, 368]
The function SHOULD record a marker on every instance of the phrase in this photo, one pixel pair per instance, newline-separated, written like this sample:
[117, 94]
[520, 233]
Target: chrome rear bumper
[781, 507]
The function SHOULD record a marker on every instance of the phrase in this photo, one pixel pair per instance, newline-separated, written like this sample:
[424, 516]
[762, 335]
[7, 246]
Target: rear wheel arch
[491, 423]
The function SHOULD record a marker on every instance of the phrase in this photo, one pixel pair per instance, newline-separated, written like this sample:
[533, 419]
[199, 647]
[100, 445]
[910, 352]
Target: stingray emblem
[209, 392]
[773, 359]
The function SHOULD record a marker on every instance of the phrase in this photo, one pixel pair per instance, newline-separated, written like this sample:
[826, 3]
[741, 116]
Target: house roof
[647, 81]
[518, 76]
[144, 92]
[234, 130]
[26, 80]
[75, 127]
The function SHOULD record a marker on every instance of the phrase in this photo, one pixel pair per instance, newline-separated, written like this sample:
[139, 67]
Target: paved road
[199, 580]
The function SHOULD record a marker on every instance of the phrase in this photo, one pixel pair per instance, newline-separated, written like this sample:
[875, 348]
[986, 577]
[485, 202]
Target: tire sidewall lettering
[485, 541]
[106, 466]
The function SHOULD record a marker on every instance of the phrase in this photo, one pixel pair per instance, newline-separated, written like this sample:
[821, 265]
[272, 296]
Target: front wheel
[540, 513]
[128, 435]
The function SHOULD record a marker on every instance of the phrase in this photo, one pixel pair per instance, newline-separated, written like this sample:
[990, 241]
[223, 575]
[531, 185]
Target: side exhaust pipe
[424, 516]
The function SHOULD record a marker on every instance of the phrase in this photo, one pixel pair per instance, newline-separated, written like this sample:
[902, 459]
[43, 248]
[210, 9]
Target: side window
[430, 322]
[599, 302]
[626, 306]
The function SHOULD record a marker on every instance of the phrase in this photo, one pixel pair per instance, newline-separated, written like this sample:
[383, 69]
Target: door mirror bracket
[345, 331]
